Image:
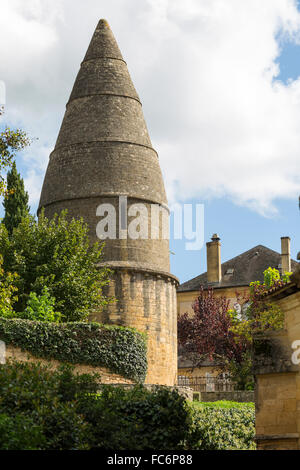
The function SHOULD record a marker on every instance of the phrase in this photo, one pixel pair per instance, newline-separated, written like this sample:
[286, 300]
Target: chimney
[214, 259]
[285, 255]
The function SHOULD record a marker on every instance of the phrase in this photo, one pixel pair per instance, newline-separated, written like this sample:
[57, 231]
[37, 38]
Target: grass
[221, 404]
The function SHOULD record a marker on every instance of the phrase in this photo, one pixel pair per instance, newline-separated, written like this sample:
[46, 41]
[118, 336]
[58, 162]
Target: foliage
[137, 419]
[208, 334]
[56, 254]
[11, 142]
[241, 373]
[214, 428]
[262, 315]
[66, 411]
[63, 427]
[7, 292]
[223, 335]
[20, 432]
[71, 415]
[271, 275]
[41, 308]
[15, 200]
[223, 404]
[47, 399]
[272, 278]
[122, 350]
[286, 277]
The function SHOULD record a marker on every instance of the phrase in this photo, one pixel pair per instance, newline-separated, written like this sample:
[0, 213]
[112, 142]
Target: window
[229, 271]
[183, 381]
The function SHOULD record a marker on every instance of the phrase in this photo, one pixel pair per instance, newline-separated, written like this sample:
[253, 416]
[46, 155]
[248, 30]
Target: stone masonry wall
[277, 393]
[276, 406]
[107, 377]
[147, 301]
[149, 253]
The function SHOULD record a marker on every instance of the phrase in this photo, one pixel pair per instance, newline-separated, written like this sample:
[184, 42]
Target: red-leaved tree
[206, 334]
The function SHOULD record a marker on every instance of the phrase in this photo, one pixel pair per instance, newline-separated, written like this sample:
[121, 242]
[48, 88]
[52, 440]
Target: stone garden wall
[107, 377]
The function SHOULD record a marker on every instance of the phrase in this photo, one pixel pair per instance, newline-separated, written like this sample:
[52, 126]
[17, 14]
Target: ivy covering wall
[121, 350]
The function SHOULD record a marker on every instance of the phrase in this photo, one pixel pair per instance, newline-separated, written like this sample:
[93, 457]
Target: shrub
[25, 387]
[122, 350]
[63, 428]
[20, 432]
[45, 409]
[222, 429]
[46, 401]
[137, 419]
[68, 413]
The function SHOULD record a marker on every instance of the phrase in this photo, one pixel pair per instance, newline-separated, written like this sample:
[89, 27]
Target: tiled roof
[184, 361]
[241, 270]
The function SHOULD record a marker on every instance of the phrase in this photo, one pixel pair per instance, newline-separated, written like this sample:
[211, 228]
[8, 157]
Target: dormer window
[229, 272]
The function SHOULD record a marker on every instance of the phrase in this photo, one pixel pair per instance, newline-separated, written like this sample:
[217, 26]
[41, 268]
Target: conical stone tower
[104, 156]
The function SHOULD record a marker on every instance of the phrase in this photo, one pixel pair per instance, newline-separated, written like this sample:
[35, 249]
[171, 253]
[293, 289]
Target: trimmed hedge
[222, 429]
[121, 350]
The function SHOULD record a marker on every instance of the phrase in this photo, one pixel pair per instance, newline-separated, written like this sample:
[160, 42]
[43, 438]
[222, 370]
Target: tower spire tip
[103, 24]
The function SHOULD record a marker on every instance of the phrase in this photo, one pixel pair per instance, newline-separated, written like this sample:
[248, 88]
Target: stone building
[104, 163]
[228, 278]
[277, 373]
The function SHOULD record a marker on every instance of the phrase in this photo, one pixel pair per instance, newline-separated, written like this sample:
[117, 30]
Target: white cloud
[205, 70]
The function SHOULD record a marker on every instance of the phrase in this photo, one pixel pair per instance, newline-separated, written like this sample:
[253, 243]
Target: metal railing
[207, 384]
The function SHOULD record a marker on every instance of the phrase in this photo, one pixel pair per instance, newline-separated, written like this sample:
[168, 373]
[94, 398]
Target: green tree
[261, 315]
[241, 373]
[11, 142]
[56, 254]
[7, 292]
[15, 200]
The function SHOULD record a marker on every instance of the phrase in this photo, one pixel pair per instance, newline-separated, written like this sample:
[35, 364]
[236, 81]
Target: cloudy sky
[220, 85]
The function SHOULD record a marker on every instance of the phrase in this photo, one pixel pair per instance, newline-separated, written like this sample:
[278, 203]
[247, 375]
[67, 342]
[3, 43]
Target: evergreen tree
[15, 201]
